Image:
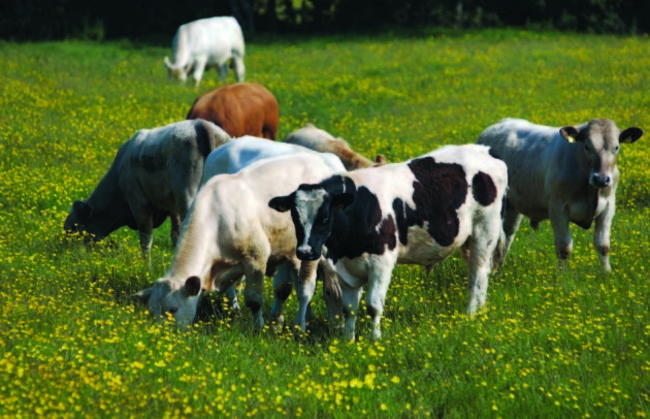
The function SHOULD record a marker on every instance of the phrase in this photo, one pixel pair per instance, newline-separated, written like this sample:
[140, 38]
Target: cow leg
[561, 232]
[601, 236]
[379, 280]
[223, 72]
[199, 67]
[175, 228]
[282, 287]
[332, 294]
[305, 286]
[240, 70]
[485, 238]
[254, 291]
[351, 297]
[511, 221]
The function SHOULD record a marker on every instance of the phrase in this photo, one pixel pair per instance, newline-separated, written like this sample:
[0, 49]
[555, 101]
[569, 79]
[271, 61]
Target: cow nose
[600, 181]
[306, 252]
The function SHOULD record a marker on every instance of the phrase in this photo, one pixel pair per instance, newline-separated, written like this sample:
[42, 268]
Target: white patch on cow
[307, 205]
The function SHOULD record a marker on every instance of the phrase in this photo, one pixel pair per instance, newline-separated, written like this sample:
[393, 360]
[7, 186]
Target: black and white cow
[417, 212]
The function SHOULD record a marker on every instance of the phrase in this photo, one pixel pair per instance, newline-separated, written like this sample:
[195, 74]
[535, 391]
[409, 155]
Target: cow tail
[204, 139]
[500, 250]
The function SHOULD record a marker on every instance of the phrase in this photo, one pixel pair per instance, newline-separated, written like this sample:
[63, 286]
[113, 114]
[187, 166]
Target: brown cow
[240, 109]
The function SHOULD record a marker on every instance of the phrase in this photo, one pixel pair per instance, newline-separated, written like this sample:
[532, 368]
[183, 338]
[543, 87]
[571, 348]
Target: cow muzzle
[600, 181]
[307, 253]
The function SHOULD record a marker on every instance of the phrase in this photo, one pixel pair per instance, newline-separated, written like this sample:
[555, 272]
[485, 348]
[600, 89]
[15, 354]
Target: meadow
[550, 343]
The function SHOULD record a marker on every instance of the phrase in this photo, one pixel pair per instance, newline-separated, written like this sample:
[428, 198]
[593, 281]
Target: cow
[240, 109]
[416, 212]
[232, 157]
[154, 175]
[230, 231]
[207, 43]
[564, 174]
[317, 139]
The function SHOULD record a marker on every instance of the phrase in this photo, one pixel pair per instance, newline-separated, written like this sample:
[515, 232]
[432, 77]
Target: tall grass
[549, 344]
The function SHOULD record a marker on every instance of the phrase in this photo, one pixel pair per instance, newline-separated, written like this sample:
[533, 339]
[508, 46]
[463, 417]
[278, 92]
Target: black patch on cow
[494, 153]
[204, 140]
[360, 228]
[440, 189]
[406, 217]
[483, 189]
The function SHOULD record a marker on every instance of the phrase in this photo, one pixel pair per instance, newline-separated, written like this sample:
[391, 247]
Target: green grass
[549, 344]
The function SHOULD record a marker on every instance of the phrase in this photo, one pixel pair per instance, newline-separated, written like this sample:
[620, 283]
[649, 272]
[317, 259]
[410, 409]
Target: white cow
[239, 153]
[230, 231]
[207, 43]
[417, 212]
[563, 174]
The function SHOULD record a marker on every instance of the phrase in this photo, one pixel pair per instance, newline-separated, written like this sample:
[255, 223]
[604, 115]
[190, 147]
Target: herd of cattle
[242, 206]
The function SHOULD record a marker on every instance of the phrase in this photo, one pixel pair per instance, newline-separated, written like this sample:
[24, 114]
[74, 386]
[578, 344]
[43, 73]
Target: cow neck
[109, 203]
[340, 237]
[195, 254]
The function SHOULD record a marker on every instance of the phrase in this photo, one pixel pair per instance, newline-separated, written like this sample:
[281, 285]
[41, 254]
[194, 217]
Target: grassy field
[549, 344]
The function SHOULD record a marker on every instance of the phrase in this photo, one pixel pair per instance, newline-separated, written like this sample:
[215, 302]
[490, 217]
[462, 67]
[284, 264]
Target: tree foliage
[156, 20]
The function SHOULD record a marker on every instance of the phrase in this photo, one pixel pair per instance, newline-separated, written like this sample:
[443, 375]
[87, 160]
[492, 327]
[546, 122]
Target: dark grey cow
[416, 212]
[563, 174]
[154, 175]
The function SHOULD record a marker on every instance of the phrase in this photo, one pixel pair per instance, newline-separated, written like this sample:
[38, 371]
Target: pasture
[550, 343]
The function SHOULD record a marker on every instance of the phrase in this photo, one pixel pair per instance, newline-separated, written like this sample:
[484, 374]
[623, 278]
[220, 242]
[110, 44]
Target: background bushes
[155, 21]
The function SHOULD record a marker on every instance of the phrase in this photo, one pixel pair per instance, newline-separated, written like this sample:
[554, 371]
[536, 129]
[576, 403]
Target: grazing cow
[231, 231]
[154, 175]
[417, 212]
[563, 174]
[207, 43]
[240, 109]
[317, 139]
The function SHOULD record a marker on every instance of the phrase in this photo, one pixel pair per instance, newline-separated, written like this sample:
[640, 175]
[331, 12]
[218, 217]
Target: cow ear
[569, 133]
[83, 209]
[192, 286]
[630, 135]
[281, 203]
[142, 296]
[342, 200]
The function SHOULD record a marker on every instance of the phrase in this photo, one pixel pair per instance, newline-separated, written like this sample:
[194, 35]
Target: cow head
[82, 219]
[169, 297]
[85, 218]
[601, 140]
[312, 211]
[177, 71]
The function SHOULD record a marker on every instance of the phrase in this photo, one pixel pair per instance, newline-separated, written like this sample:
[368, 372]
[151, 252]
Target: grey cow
[564, 174]
[154, 175]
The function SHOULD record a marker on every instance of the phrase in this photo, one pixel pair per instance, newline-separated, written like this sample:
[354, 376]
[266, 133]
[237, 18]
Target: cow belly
[423, 250]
